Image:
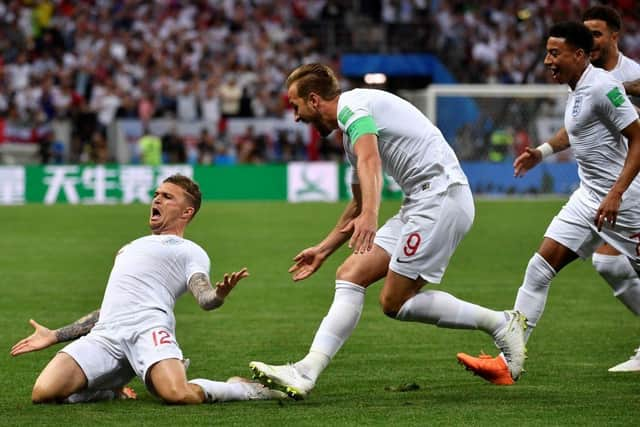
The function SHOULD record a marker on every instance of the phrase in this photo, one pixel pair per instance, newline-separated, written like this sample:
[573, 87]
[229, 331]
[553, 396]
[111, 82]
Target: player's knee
[347, 272]
[390, 304]
[42, 394]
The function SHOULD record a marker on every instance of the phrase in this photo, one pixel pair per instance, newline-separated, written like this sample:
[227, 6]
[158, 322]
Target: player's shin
[623, 279]
[532, 294]
[446, 311]
[335, 329]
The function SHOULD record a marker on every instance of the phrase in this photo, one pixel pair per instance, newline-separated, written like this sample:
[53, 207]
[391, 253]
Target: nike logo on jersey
[403, 261]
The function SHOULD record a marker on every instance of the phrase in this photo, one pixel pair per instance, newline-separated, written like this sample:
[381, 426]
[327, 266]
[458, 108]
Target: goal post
[487, 90]
[469, 114]
[489, 125]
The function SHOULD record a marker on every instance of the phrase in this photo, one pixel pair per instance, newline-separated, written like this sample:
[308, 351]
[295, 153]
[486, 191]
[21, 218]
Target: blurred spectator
[136, 59]
[206, 147]
[501, 141]
[230, 97]
[292, 146]
[173, 149]
[246, 146]
[225, 154]
[150, 148]
[187, 102]
[331, 147]
[252, 147]
[105, 101]
[99, 153]
[210, 105]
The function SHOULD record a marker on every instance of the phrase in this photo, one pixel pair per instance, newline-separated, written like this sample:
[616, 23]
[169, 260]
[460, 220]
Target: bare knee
[41, 393]
[396, 291]
[58, 380]
[391, 304]
[347, 271]
[364, 269]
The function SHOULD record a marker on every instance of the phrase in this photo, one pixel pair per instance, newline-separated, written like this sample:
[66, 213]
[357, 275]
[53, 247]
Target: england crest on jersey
[577, 106]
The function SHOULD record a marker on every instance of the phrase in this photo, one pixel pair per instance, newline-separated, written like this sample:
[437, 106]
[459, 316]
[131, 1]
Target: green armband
[362, 126]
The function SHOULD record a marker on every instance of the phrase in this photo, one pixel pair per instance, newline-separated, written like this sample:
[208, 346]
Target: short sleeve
[196, 261]
[354, 117]
[615, 105]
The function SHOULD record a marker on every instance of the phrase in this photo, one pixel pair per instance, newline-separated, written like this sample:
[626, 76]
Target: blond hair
[317, 78]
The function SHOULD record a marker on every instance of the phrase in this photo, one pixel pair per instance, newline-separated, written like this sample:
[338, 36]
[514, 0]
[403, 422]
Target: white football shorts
[422, 237]
[574, 228]
[111, 356]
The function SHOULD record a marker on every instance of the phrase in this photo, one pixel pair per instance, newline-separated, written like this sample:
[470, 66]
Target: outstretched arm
[44, 337]
[208, 297]
[311, 259]
[532, 156]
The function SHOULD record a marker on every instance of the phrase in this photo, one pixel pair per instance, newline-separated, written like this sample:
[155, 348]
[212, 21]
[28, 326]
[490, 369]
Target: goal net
[493, 122]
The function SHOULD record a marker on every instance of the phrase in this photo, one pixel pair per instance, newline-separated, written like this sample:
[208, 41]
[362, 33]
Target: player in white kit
[604, 209]
[605, 25]
[383, 132]
[135, 332]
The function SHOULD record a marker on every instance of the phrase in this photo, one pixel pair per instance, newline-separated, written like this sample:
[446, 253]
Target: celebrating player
[135, 331]
[383, 132]
[598, 118]
[605, 24]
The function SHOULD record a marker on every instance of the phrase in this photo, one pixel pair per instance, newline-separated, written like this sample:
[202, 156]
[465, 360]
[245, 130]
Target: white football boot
[631, 365]
[285, 378]
[510, 340]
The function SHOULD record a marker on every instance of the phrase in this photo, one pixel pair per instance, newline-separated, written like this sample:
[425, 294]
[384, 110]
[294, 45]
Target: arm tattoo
[205, 294]
[80, 327]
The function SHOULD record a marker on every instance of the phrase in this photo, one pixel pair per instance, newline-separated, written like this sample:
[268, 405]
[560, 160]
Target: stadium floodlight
[375, 78]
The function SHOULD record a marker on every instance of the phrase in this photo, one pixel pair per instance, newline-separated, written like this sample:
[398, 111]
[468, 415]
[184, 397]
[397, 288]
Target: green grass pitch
[54, 263]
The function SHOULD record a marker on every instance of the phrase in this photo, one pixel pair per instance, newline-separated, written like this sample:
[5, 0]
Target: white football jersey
[626, 69]
[148, 275]
[413, 151]
[596, 111]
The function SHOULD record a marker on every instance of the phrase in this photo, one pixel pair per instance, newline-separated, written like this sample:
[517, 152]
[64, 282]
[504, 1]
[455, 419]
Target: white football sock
[532, 295]
[446, 311]
[217, 391]
[623, 279]
[335, 329]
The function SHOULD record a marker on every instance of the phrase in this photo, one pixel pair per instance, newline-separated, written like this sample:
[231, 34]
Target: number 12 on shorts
[160, 336]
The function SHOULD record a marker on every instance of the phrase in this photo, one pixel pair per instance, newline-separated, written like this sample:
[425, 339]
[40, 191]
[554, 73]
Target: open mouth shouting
[155, 216]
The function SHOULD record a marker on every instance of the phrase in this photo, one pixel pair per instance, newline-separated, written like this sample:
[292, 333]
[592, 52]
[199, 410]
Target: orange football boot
[492, 369]
[126, 393]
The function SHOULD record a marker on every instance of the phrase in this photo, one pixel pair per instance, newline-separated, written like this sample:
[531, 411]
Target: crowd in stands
[92, 62]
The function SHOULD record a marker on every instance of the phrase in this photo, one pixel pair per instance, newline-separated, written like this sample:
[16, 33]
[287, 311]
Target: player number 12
[161, 337]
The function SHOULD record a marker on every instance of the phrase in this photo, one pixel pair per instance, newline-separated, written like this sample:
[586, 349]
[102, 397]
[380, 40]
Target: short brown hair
[191, 189]
[316, 78]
